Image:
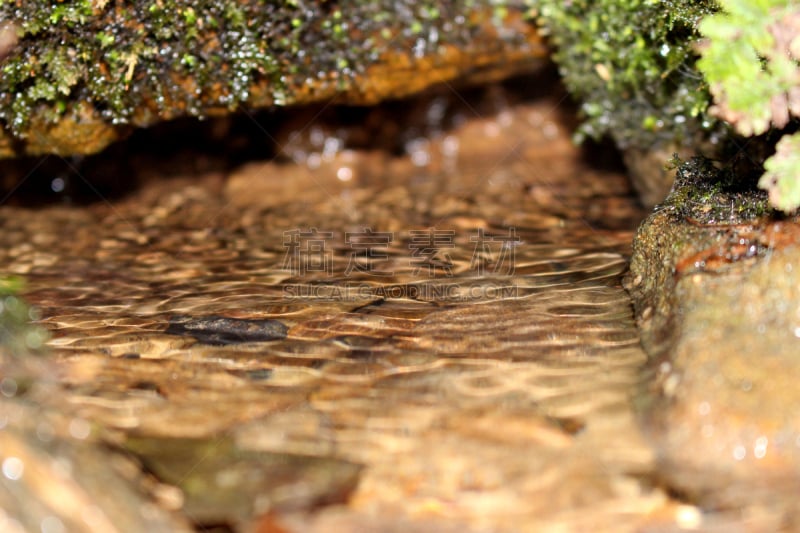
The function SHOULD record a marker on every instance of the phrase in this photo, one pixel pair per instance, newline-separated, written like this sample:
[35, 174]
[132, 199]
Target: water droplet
[550, 130]
[316, 136]
[739, 452]
[13, 468]
[34, 339]
[79, 428]
[58, 185]
[45, 432]
[688, 517]
[450, 146]
[419, 150]
[313, 161]
[419, 48]
[344, 174]
[8, 387]
[505, 118]
[491, 129]
[62, 467]
[52, 524]
[331, 147]
[760, 449]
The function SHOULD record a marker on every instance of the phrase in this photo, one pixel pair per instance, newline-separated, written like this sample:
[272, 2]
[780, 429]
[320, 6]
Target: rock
[57, 474]
[221, 483]
[649, 173]
[79, 76]
[717, 295]
[220, 331]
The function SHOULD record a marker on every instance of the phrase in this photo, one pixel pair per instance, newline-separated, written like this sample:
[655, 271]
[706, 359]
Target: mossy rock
[715, 288]
[80, 74]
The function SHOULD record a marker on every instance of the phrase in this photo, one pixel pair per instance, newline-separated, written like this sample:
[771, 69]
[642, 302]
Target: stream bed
[341, 339]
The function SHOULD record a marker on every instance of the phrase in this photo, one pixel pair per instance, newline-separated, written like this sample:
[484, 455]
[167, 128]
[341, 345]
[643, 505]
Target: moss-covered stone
[716, 291]
[101, 65]
[703, 200]
[708, 195]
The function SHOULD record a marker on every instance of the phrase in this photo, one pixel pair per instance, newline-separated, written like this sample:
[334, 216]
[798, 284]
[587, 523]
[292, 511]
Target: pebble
[219, 330]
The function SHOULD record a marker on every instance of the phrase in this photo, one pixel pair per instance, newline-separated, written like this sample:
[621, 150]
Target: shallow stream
[353, 339]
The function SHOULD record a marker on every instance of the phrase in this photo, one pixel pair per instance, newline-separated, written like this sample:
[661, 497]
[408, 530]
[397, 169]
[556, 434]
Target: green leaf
[746, 63]
[782, 176]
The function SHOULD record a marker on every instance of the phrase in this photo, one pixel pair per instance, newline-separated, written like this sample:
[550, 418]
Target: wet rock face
[78, 75]
[717, 295]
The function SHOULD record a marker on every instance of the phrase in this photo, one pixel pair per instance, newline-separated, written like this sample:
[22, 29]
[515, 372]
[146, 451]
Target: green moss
[631, 64]
[184, 56]
[710, 195]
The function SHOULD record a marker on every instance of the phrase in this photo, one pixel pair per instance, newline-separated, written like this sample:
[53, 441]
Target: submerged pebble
[220, 330]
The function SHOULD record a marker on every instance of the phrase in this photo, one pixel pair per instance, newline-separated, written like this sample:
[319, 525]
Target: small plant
[17, 335]
[631, 64]
[750, 59]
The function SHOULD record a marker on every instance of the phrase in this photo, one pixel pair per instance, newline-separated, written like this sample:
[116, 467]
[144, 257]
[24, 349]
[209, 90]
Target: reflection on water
[450, 316]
